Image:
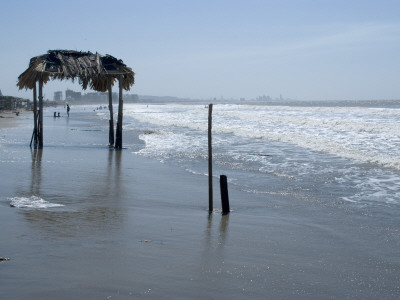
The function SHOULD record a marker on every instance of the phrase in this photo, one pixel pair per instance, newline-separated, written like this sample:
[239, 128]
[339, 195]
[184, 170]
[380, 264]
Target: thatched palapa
[93, 70]
[90, 69]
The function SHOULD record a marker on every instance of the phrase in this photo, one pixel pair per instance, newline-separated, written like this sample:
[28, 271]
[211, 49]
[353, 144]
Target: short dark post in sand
[223, 182]
[210, 183]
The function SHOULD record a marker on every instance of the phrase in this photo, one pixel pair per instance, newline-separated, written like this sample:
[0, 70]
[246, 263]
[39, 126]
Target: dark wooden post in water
[118, 142]
[223, 182]
[35, 119]
[40, 113]
[110, 107]
[210, 180]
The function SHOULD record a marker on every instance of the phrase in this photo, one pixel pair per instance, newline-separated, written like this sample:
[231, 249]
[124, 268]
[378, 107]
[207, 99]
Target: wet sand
[9, 118]
[133, 228]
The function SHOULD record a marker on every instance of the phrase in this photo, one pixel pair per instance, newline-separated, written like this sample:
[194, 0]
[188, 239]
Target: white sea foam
[380, 188]
[31, 202]
[363, 134]
[356, 149]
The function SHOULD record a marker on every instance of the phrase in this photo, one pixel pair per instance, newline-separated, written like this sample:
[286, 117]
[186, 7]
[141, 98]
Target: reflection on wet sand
[114, 173]
[36, 176]
[90, 208]
[223, 226]
[215, 243]
[214, 253]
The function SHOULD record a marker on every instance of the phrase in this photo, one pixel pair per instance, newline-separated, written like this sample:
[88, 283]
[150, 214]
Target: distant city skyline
[71, 94]
[305, 50]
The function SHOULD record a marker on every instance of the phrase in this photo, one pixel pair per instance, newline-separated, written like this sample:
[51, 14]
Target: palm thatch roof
[93, 70]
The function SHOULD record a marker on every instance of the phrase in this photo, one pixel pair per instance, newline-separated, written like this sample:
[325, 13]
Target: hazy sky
[302, 49]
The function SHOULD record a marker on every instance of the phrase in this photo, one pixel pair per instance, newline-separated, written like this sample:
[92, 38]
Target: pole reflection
[223, 229]
[36, 171]
[214, 244]
[88, 208]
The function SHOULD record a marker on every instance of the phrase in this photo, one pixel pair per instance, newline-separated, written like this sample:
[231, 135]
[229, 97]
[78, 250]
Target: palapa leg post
[110, 107]
[35, 120]
[40, 113]
[210, 180]
[118, 143]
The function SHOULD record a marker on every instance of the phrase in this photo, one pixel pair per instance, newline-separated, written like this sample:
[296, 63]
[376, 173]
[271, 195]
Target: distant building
[71, 95]
[264, 98]
[58, 96]
[96, 97]
[1, 94]
[9, 102]
[130, 97]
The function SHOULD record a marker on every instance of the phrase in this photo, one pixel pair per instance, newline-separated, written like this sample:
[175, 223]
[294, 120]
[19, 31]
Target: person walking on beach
[68, 109]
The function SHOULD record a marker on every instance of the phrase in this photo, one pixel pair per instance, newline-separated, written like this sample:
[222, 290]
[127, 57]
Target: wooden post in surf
[35, 118]
[223, 182]
[118, 142]
[210, 183]
[110, 107]
[40, 113]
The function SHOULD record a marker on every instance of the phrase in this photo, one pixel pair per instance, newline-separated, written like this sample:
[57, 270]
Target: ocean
[327, 153]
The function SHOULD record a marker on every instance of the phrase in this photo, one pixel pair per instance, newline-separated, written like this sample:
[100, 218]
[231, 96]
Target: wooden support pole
[40, 113]
[110, 107]
[118, 143]
[35, 119]
[210, 180]
[223, 182]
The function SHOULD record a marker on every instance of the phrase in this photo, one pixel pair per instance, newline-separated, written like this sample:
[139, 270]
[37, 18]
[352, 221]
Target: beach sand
[134, 228]
[9, 118]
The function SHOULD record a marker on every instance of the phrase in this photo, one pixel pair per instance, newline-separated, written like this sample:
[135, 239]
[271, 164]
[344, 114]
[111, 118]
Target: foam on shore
[31, 202]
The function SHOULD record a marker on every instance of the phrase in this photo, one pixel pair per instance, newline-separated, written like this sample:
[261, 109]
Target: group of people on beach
[68, 109]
